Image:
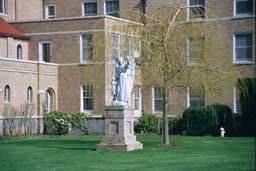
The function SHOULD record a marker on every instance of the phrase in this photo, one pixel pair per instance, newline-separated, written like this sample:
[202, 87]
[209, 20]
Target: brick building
[59, 55]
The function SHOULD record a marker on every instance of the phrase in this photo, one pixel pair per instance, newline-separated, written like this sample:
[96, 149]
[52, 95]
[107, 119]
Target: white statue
[122, 83]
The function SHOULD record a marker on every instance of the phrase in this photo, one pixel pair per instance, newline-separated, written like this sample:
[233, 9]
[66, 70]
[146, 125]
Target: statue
[122, 82]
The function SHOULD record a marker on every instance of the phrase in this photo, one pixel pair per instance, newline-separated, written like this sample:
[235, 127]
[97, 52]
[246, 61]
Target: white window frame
[234, 49]
[153, 101]
[188, 98]
[7, 94]
[47, 16]
[50, 103]
[83, 14]
[188, 12]
[19, 51]
[41, 51]
[105, 9]
[82, 59]
[139, 98]
[82, 101]
[137, 48]
[189, 61]
[119, 45]
[234, 102]
[30, 94]
[3, 3]
[243, 14]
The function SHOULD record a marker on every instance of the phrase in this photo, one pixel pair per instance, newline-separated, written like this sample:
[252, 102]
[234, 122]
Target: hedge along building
[77, 40]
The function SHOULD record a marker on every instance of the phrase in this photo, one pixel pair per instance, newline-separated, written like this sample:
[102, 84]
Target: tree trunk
[165, 118]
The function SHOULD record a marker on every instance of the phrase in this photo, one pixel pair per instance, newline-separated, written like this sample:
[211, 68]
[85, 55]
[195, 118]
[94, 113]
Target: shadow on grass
[65, 144]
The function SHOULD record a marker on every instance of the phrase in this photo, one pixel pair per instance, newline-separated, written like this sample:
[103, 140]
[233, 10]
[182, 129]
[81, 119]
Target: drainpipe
[7, 47]
[16, 10]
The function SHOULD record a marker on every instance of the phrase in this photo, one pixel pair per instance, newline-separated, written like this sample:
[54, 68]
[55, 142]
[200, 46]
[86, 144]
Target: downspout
[38, 96]
[7, 47]
[16, 10]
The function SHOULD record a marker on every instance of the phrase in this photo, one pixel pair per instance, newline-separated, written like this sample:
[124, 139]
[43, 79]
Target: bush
[56, 123]
[176, 125]
[78, 122]
[247, 87]
[147, 123]
[211, 121]
[194, 121]
[225, 118]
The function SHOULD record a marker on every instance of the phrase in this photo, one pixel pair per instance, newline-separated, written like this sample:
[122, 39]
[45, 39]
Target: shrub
[78, 120]
[56, 123]
[225, 118]
[247, 87]
[194, 121]
[211, 121]
[147, 123]
[176, 125]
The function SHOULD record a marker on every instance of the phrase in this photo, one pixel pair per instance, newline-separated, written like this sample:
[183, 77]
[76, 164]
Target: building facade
[61, 55]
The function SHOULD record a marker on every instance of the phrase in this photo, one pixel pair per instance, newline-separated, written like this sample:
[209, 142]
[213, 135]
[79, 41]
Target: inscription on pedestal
[129, 127]
[114, 129]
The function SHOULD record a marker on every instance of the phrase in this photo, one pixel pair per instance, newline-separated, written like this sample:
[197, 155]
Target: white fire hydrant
[222, 132]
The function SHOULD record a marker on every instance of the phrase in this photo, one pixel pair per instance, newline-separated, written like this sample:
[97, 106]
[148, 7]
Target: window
[2, 6]
[116, 45]
[19, 52]
[243, 51]
[137, 99]
[112, 7]
[237, 102]
[127, 46]
[195, 49]
[137, 48]
[195, 98]
[50, 12]
[90, 7]
[50, 100]
[87, 98]
[7, 94]
[158, 99]
[87, 48]
[243, 7]
[30, 95]
[198, 11]
[45, 51]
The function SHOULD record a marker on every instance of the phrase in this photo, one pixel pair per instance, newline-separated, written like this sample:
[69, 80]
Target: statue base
[119, 130]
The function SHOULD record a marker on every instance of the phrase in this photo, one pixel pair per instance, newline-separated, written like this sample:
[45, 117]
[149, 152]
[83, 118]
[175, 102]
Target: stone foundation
[119, 130]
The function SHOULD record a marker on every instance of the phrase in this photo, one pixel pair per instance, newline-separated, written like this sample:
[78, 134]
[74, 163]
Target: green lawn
[70, 153]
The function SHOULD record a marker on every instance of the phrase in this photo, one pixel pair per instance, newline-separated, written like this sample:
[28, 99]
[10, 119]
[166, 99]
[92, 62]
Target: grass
[74, 153]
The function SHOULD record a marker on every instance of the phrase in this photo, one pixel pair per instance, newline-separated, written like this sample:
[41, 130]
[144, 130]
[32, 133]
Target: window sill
[242, 16]
[157, 112]
[87, 63]
[243, 63]
[196, 20]
[50, 18]
[3, 14]
[88, 15]
[88, 112]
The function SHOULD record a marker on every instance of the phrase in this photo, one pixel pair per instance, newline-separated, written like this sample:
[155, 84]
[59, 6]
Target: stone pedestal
[119, 130]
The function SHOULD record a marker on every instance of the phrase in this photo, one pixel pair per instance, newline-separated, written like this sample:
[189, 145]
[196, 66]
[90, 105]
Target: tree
[180, 53]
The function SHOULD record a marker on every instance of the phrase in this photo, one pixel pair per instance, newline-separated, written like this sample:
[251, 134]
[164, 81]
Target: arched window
[30, 95]
[50, 100]
[19, 52]
[7, 94]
